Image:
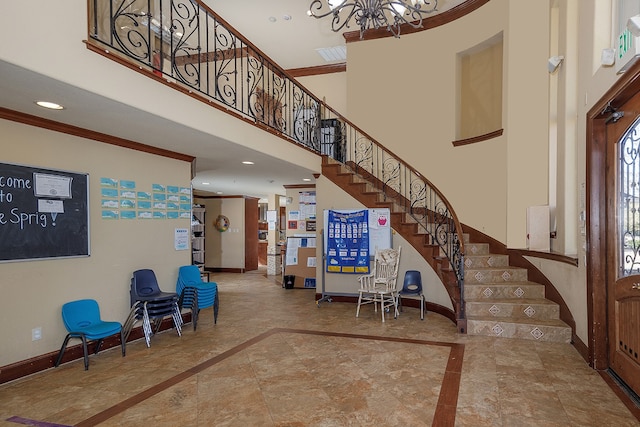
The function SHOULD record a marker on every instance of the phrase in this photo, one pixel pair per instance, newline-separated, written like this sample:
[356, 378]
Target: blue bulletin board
[352, 235]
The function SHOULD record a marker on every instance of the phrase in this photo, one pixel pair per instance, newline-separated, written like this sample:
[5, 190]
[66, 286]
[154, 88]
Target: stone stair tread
[510, 283]
[520, 321]
[539, 301]
[500, 267]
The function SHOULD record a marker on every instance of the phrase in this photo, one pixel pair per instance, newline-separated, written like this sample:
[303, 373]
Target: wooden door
[623, 241]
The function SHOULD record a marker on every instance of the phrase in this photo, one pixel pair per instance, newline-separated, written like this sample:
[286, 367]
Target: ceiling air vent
[331, 54]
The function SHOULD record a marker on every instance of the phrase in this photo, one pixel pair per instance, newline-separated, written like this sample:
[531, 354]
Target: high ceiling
[280, 28]
[283, 30]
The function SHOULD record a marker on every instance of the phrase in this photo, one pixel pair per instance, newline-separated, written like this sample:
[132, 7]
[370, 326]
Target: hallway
[276, 359]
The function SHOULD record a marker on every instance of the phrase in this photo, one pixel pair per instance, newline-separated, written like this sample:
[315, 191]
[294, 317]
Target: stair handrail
[400, 182]
[186, 44]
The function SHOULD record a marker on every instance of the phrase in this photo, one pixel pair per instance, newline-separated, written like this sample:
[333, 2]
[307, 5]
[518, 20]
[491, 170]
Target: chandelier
[373, 14]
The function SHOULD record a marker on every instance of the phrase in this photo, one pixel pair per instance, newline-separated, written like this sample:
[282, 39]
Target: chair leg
[146, 325]
[195, 312]
[216, 305]
[177, 319]
[359, 301]
[123, 342]
[62, 349]
[396, 313]
[194, 317]
[421, 307]
[86, 353]
[128, 325]
[97, 346]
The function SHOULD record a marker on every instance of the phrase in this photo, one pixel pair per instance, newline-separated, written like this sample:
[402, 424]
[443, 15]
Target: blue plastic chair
[82, 320]
[153, 305]
[412, 287]
[196, 294]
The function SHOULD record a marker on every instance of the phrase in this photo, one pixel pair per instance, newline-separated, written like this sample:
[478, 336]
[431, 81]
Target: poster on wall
[348, 242]
[181, 239]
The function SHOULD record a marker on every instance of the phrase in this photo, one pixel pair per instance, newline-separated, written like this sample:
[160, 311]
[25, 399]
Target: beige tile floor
[275, 358]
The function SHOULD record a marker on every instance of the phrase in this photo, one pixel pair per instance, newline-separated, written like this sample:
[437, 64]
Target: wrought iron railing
[400, 183]
[186, 43]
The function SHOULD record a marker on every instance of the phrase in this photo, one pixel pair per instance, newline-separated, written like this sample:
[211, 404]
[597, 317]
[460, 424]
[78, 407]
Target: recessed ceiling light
[218, 192]
[247, 162]
[272, 19]
[206, 183]
[286, 17]
[50, 105]
[306, 179]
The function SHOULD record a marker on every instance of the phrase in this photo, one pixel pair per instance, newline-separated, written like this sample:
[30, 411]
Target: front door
[623, 242]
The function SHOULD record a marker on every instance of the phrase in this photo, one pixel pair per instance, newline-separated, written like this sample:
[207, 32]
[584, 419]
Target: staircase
[500, 299]
[502, 302]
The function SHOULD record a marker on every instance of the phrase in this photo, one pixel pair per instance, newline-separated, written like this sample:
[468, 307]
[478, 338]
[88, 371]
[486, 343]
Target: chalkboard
[44, 213]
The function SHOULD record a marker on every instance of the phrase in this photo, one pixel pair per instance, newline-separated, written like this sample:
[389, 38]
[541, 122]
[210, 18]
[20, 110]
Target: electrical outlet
[36, 334]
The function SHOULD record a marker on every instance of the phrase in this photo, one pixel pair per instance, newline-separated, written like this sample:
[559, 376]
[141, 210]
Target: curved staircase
[499, 299]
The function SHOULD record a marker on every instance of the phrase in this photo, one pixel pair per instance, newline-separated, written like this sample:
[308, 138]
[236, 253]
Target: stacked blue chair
[82, 320]
[196, 294]
[153, 304]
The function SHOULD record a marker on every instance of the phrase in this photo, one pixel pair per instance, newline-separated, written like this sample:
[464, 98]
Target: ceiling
[291, 43]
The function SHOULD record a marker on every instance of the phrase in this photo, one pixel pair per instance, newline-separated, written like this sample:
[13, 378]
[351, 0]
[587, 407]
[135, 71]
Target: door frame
[622, 90]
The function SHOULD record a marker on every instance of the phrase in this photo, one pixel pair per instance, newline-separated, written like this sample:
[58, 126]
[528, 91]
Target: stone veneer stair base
[502, 302]
[547, 330]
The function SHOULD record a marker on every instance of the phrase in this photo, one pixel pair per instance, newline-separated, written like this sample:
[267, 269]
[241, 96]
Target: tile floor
[275, 358]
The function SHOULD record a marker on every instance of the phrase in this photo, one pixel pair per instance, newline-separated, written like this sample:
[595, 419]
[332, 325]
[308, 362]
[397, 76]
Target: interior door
[623, 242]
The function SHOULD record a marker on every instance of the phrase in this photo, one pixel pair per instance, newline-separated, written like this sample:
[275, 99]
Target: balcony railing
[186, 43]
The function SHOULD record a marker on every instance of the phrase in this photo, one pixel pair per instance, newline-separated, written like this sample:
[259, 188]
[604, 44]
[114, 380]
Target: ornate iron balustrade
[401, 184]
[185, 42]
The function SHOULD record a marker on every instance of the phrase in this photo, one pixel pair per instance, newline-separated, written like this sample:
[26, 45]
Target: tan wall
[330, 87]
[224, 249]
[34, 291]
[491, 183]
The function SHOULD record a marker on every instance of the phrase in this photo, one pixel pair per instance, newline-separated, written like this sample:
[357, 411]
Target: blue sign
[348, 242]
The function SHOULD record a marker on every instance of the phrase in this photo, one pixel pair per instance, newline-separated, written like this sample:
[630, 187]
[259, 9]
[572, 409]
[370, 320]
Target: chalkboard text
[23, 218]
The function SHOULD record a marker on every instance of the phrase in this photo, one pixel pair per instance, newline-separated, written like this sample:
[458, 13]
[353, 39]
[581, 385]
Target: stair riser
[476, 248]
[522, 331]
[486, 261]
[516, 291]
[495, 275]
[514, 310]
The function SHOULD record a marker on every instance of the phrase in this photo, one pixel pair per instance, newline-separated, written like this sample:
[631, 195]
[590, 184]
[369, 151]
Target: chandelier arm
[338, 21]
[373, 13]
